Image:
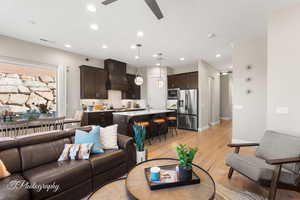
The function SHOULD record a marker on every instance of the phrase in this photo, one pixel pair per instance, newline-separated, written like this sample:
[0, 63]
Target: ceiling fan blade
[106, 2]
[155, 8]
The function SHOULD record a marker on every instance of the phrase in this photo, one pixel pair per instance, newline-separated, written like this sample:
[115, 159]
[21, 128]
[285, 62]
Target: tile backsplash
[114, 99]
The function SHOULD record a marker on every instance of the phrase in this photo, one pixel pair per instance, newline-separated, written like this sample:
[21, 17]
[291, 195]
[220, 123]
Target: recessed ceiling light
[154, 55]
[104, 46]
[133, 46]
[181, 59]
[137, 57]
[157, 64]
[140, 34]
[94, 27]
[211, 35]
[91, 8]
[68, 46]
[218, 55]
[230, 67]
[32, 22]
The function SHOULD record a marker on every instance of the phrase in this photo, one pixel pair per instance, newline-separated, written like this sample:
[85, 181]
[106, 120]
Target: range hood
[116, 71]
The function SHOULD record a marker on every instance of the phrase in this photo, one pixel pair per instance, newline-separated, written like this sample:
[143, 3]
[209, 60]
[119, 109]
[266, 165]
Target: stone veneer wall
[22, 92]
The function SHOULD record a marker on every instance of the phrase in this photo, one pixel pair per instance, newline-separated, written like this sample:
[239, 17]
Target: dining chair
[13, 129]
[49, 124]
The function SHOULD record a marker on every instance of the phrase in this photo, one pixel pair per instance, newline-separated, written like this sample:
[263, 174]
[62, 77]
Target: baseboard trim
[215, 123]
[203, 128]
[225, 118]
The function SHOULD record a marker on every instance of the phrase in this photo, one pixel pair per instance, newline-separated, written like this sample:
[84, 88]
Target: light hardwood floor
[212, 145]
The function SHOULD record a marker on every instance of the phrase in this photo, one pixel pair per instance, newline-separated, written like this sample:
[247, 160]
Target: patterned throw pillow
[3, 171]
[76, 152]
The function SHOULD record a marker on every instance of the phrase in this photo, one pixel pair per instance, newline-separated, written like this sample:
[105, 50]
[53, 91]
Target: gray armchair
[275, 164]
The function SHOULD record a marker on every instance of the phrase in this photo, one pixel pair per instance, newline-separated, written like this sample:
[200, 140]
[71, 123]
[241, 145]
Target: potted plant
[186, 156]
[44, 110]
[139, 137]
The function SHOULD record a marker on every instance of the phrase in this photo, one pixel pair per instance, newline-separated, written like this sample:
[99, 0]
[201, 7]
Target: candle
[155, 173]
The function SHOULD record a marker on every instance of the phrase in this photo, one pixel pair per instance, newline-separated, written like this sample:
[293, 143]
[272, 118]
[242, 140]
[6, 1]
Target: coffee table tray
[169, 178]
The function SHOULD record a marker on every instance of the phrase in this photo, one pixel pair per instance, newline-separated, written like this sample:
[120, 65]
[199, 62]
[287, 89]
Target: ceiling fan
[151, 3]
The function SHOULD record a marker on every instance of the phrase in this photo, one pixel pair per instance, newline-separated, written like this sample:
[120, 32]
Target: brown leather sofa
[32, 159]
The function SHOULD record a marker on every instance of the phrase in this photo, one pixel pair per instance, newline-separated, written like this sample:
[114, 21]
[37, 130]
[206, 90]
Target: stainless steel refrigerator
[187, 109]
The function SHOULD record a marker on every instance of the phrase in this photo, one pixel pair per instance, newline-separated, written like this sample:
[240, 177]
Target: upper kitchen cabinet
[93, 83]
[183, 81]
[133, 91]
[117, 79]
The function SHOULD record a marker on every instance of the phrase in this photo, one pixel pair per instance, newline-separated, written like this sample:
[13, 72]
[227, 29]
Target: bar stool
[172, 124]
[147, 126]
[159, 123]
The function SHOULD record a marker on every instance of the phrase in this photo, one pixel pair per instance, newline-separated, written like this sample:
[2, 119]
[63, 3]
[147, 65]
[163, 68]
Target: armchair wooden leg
[275, 179]
[230, 172]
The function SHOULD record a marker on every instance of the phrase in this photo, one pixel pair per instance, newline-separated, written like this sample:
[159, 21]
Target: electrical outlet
[282, 110]
[238, 107]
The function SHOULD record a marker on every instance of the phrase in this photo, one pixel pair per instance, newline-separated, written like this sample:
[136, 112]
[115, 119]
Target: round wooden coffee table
[137, 186]
[114, 190]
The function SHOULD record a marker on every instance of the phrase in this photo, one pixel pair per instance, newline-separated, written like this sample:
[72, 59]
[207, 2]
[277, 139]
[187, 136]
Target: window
[22, 88]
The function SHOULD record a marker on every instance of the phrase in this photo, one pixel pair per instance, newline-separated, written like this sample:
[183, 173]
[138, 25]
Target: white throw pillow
[109, 137]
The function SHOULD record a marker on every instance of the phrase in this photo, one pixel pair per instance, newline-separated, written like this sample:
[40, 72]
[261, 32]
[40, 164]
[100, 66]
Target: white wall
[35, 53]
[284, 70]
[205, 70]
[226, 97]
[156, 97]
[179, 70]
[249, 110]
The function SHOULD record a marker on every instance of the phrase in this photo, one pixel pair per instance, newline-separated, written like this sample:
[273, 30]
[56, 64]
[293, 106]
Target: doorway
[210, 100]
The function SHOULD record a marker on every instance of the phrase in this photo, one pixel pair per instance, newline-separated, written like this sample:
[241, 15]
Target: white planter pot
[141, 156]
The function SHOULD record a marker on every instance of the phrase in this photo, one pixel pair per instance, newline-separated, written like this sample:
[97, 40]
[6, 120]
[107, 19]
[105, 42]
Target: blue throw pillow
[82, 137]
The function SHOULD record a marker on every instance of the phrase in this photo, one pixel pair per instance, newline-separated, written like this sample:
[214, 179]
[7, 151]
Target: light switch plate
[238, 107]
[282, 110]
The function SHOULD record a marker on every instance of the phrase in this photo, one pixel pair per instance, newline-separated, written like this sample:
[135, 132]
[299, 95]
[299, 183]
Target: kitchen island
[103, 117]
[125, 120]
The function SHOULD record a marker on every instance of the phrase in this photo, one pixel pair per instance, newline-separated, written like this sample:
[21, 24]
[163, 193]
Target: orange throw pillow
[3, 171]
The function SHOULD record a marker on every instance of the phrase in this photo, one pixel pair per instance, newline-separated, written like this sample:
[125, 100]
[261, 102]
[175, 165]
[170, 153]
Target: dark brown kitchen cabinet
[93, 83]
[102, 119]
[183, 81]
[117, 79]
[133, 91]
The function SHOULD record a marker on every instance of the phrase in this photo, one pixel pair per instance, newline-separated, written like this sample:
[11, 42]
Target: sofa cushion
[9, 191]
[66, 174]
[257, 169]
[277, 145]
[43, 153]
[104, 162]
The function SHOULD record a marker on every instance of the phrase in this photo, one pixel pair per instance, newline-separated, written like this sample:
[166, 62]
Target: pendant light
[138, 78]
[160, 82]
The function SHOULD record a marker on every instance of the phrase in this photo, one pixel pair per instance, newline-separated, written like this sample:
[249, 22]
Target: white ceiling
[183, 32]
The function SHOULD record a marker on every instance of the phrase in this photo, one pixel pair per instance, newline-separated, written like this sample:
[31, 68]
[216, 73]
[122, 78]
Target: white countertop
[127, 110]
[143, 112]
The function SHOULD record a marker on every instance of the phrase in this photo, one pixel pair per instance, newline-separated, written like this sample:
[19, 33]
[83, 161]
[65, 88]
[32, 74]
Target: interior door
[210, 99]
